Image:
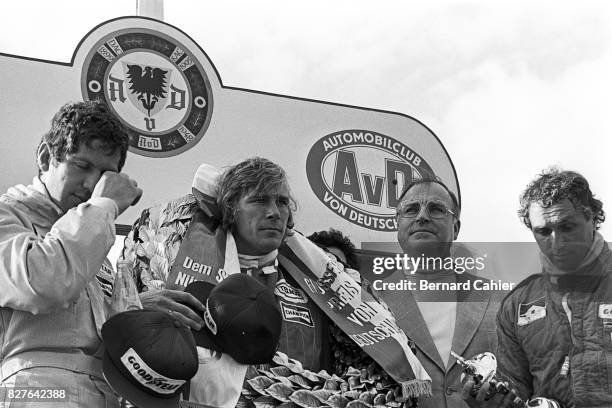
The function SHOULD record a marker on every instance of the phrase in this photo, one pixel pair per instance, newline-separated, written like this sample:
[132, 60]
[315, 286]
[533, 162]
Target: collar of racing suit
[588, 274]
[42, 210]
[257, 261]
[264, 268]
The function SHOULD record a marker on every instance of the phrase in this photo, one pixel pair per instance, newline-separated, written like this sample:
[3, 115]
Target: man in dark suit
[440, 310]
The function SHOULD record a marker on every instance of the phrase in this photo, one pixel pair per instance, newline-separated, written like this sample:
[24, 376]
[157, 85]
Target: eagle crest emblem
[147, 86]
[155, 85]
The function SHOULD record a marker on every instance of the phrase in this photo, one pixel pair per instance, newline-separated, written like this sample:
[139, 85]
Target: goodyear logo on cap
[148, 377]
[360, 174]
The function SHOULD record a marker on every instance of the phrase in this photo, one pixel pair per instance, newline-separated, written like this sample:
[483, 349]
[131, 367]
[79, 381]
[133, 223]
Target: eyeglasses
[435, 209]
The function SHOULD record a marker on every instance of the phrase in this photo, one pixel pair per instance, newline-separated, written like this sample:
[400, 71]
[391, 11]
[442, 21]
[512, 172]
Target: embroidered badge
[105, 279]
[605, 311]
[296, 314]
[289, 293]
[530, 312]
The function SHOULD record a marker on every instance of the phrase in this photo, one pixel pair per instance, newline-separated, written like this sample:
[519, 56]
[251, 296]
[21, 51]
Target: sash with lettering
[202, 254]
[361, 315]
[210, 255]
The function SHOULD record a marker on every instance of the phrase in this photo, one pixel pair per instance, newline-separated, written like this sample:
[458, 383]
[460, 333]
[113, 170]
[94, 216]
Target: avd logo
[154, 85]
[360, 174]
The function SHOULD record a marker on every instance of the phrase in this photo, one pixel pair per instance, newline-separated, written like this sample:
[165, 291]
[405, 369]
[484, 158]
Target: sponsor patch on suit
[296, 314]
[289, 293]
[605, 311]
[105, 279]
[605, 314]
[532, 311]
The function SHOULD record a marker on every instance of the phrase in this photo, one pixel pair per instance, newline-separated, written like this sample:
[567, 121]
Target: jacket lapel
[409, 319]
[470, 312]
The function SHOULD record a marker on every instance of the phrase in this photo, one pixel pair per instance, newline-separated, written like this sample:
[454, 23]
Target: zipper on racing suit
[566, 363]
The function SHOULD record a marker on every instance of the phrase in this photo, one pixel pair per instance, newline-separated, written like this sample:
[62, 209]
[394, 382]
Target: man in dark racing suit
[256, 206]
[555, 327]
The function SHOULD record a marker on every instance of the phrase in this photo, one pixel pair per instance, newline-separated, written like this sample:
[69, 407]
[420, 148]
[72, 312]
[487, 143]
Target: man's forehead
[280, 190]
[96, 153]
[428, 191]
[558, 212]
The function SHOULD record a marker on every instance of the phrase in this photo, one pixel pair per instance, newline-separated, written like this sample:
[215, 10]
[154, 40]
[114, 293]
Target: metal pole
[150, 8]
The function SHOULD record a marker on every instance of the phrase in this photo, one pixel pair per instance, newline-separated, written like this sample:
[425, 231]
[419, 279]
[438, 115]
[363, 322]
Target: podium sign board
[347, 165]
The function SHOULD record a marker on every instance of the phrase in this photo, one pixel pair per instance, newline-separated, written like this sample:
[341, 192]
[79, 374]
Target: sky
[509, 87]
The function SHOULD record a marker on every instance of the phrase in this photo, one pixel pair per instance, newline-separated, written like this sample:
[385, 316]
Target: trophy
[483, 368]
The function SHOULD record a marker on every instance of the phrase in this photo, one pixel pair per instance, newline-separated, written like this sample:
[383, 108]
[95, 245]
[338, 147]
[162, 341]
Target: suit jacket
[475, 332]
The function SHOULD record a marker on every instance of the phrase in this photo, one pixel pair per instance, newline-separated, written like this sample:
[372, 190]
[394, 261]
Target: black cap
[147, 358]
[241, 318]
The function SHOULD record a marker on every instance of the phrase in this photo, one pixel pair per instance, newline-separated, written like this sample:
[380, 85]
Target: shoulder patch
[522, 284]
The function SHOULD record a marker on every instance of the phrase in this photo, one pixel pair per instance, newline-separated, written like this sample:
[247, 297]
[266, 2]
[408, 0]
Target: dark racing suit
[304, 334]
[555, 335]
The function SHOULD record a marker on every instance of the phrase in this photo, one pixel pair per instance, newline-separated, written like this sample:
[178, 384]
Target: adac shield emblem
[156, 87]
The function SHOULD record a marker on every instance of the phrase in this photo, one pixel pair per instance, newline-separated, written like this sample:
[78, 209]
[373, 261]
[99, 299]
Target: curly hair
[554, 185]
[430, 178]
[83, 122]
[335, 238]
[253, 174]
